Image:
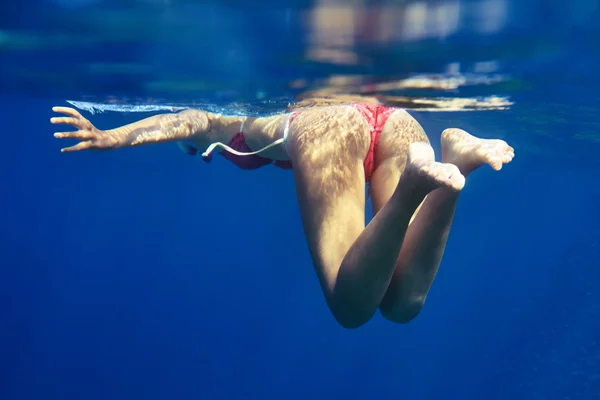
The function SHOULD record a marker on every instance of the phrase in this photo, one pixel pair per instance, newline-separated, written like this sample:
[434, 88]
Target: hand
[91, 137]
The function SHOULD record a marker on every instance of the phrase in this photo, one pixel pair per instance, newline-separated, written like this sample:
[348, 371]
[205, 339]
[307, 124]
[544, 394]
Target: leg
[354, 264]
[427, 235]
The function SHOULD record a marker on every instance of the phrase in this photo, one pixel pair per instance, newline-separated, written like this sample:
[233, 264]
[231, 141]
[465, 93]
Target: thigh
[327, 147]
[399, 132]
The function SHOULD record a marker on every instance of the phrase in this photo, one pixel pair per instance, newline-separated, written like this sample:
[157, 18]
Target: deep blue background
[146, 274]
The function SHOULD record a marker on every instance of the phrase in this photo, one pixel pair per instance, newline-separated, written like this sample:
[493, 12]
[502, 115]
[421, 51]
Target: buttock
[400, 130]
[332, 130]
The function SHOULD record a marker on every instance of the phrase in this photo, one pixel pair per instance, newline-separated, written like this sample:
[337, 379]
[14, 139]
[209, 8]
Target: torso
[258, 133]
[390, 132]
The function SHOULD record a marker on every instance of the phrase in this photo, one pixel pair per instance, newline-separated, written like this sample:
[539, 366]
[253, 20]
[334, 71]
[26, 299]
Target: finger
[68, 111]
[65, 120]
[77, 147]
[84, 135]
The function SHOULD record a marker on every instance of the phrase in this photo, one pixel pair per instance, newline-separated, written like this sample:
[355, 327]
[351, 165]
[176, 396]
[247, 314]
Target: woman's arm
[156, 129]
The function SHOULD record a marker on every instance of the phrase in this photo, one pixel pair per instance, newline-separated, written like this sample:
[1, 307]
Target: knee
[348, 323]
[403, 313]
[351, 317]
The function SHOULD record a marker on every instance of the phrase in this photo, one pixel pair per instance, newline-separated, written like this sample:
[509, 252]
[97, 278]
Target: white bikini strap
[239, 153]
[242, 125]
[212, 147]
[286, 131]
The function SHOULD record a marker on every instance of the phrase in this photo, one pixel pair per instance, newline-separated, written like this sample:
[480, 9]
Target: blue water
[145, 274]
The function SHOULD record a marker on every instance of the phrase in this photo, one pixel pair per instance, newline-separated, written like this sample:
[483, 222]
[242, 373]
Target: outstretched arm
[155, 129]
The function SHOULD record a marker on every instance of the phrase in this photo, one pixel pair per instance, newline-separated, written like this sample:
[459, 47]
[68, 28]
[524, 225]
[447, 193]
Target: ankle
[465, 168]
[409, 192]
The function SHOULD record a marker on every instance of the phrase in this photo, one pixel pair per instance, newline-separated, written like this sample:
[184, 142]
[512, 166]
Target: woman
[335, 149]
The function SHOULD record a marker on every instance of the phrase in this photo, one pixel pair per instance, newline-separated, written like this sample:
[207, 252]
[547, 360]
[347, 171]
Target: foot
[425, 173]
[468, 152]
